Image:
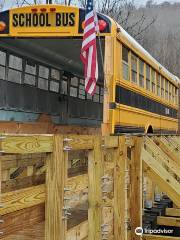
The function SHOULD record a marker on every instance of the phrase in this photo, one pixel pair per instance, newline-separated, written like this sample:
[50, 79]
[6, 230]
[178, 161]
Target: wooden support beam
[174, 212]
[161, 156]
[111, 141]
[161, 177]
[158, 237]
[21, 199]
[169, 151]
[95, 172]
[32, 196]
[19, 220]
[136, 186]
[119, 192]
[79, 142]
[168, 221]
[56, 174]
[26, 143]
[81, 230]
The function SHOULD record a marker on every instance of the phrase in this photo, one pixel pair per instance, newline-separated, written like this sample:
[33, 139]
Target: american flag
[89, 50]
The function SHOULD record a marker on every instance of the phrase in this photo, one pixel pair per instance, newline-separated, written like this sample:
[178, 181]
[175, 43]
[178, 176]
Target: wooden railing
[100, 199]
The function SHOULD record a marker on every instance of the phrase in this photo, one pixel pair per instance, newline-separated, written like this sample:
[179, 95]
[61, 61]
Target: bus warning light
[52, 9]
[43, 9]
[2, 26]
[102, 25]
[34, 10]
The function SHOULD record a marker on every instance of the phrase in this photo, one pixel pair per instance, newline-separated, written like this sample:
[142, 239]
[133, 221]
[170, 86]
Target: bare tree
[124, 12]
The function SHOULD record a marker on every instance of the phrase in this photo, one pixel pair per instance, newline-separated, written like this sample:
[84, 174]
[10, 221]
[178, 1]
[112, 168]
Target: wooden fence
[100, 199]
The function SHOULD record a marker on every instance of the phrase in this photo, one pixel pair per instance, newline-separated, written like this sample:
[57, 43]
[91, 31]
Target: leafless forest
[155, 26]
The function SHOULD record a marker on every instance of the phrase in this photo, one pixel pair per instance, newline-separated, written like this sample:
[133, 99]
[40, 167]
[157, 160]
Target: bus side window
[64, 85]
[2, 65]
[166, 89]
[15, 69]
[162, 86]
[30, 73]
[173, 94]
[96, 94]
[133, 68]
[158, 83]
[170, 92]
[141, 73]
[153, 80]
[43, 77]
[125, 62]
[147, 77]
[54, 80]
[176, 95]
[74, 87]
[82, 94]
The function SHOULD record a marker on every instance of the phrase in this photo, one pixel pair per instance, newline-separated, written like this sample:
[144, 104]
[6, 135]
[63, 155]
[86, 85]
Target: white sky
[11, 3]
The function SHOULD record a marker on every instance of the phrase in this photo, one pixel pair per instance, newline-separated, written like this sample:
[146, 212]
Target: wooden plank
[21, 199]
[168, 221]
[31, 196]
[26, 144]
[158, 237]
[56, 174]
[95, 170]
[136, 186]
[174, 212]
[119, 194]
[171, 154]
[161, 156]
[79, 232]
[19, 183]
[19, 220]
[111, 142]
[35, 231]
[78, 142]
[161, 177]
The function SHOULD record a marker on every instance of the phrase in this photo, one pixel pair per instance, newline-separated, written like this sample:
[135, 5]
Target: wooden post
[55, 226]
[119, 191]
[136, 187]
[95, 170]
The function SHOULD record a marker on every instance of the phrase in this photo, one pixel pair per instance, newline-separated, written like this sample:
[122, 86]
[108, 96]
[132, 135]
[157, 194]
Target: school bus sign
[45, 20]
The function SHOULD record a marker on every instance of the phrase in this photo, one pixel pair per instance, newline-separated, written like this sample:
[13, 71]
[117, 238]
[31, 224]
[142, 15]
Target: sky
[10, 3]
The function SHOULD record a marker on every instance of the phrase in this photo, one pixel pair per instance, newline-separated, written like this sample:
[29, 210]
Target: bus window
[153, 86]
[54, 80]
[173, 94]
[43, 77]
[64, 85]
[158, 84]
[96, 95]
[55, 74]
[134, 68]
[15, 69]
[176, 95]
[170, 92]
[162, 87]
[2, 65]
[30, 73]
[125, 62]
[101, 94]
[74, 87]
[148, 77]
[82, 94]
[141, 73]
[166, 89]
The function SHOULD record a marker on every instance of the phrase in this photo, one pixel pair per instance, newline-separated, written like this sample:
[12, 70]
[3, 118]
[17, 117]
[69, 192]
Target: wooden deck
[31, 233]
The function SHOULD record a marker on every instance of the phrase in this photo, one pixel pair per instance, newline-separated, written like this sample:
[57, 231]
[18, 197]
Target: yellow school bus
[40, 63]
